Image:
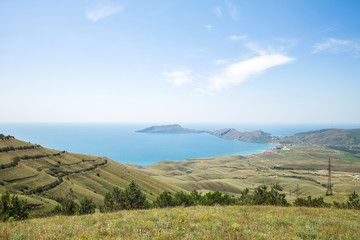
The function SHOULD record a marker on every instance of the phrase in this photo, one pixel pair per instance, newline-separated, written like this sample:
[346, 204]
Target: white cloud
[178, 77]
[334, 45]
[237, 37]
[209, 27]
[232, 10]
[241, 71]
[218, 11]
[102, 11]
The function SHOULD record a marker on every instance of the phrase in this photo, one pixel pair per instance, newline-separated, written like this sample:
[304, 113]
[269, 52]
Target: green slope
[328, 137]
[43, 175]
[301, 165]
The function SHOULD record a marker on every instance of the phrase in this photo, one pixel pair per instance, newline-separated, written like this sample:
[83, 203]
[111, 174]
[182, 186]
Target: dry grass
[231, 222]
[307, 168]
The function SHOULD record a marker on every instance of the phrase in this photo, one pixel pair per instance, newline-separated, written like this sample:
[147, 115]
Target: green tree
[130, 198]
[67, 205]
[165, 199]
[12, 206]
[87, 206]
[134, 198]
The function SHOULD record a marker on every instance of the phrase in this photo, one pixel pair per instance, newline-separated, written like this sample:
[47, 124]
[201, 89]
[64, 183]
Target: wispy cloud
[241, 71]
[233, 11]
[218, 11]
[209, 27]
[102, 11]
[237, 37]
[178, 77]
[334, 45]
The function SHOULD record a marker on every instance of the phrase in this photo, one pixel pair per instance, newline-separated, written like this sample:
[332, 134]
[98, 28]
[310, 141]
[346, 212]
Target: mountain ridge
[325, 137]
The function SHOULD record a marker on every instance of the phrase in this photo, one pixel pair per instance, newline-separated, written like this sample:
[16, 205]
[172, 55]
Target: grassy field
[303, 166]
[43, 175]
[231, 222]
[54, 172]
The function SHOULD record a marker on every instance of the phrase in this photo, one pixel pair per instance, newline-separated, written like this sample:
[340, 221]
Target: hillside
[254, 136]
[325, 137]
[216, 222]
[301, 165]
[43, 175]
[328, 137]
[173, 128]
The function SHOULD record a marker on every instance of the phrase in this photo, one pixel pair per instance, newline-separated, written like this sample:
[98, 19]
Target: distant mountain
[173, 128]
[329, 137]
[325, 137]
[254, 136]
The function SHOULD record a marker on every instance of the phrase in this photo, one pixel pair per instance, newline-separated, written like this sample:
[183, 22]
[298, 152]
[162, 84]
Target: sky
[180, 61]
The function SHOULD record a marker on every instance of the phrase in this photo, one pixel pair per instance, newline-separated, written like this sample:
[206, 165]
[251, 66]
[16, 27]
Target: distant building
[269, 152]
[279, 147]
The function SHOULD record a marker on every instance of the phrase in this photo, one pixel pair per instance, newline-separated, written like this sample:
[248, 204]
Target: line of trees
[11, 148]
[132, 198]
[3, 137]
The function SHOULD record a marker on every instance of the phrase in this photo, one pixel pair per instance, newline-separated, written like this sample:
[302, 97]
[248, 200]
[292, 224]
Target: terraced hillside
[301, 165]
[43, 175]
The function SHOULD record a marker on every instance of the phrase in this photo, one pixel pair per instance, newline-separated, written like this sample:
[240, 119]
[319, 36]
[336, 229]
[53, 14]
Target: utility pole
[297, 190]
[329, 191]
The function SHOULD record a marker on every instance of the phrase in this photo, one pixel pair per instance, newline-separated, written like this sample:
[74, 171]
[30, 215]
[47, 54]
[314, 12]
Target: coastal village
[278, 147]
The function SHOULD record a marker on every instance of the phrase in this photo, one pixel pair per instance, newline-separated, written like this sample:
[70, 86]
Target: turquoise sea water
[120, 142]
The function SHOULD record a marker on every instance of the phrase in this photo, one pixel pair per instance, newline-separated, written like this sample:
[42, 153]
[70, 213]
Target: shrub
[352, 203]
[262, 196]
[311, 202]
[13, 208]
[183, 199]
[165, 199]
[87, 206]
[131, 198]
[67, 205]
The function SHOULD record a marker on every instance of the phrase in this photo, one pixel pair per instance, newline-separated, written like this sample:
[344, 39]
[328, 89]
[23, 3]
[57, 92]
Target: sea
[123, 144]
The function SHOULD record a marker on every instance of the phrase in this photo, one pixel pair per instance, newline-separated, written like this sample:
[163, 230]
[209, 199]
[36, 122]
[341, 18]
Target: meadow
[302, 171]
[200, 222]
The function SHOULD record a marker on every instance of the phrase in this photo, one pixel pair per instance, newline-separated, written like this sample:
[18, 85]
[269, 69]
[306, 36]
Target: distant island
[253, 136]
[326, 137]
[173, 128]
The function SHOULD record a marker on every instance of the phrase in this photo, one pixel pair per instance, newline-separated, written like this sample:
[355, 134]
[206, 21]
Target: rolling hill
[254, 136]
[324, 137]
[43, 175]
[328, 137]
[303, 166]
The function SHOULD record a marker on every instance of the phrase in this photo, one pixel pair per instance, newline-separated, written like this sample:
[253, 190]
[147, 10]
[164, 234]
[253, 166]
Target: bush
[131, 198]
[183, 199]
[67, 205]
[13, 208]
[165, 199]
[87, 206]
[352, 203]
[262, 196]
[311, 202]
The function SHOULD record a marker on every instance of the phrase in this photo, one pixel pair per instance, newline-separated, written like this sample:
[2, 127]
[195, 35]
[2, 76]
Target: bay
[121, 143]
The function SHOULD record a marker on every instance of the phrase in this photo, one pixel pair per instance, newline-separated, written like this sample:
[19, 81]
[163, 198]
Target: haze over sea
[121, 143]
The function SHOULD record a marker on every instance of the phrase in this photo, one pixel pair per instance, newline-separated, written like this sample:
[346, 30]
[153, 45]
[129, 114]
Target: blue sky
[180, 61]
